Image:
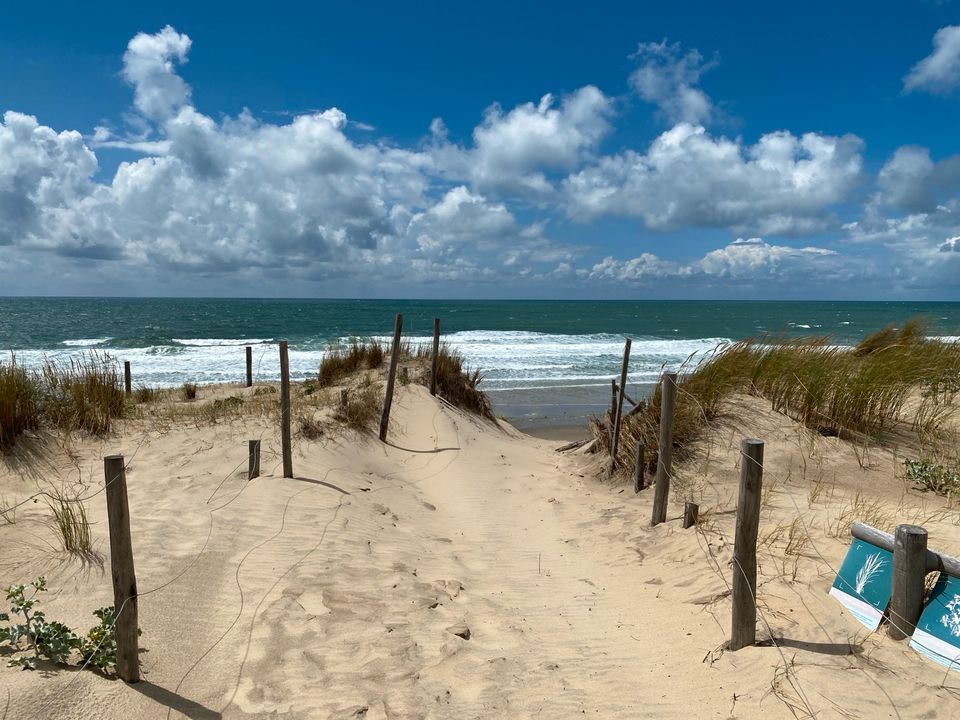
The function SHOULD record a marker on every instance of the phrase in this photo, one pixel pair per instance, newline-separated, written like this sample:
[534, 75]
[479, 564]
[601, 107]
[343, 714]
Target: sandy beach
[464, 569]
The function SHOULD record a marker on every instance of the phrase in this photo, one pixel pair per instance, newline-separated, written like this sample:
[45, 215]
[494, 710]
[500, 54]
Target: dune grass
[360, 407]
[71, 525]
[341, 360]
[858, 392]
[19, 402]
[457, 384]
[84, 393]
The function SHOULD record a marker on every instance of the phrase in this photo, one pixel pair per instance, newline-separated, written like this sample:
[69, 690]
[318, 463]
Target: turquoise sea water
[542, 360]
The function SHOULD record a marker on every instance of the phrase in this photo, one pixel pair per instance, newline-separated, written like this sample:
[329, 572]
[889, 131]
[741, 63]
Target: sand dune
[466, 571]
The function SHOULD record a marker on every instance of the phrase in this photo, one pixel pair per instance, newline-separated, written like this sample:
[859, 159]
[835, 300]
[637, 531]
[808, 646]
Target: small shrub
[404, 376]
[189, 391]
[930, 476]
[231, 402]
[19, 402]
[265, 390]
[309, 387]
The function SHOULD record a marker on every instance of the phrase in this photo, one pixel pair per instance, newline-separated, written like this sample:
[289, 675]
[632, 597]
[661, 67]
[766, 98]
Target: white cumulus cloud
[668, 78]
[782, 184]
[939, 72]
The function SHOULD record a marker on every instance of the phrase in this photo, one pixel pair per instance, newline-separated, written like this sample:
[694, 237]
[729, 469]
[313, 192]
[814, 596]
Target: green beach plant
[52, 640]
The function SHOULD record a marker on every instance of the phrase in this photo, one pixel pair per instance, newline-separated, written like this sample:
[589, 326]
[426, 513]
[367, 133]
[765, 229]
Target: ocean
[543, 362]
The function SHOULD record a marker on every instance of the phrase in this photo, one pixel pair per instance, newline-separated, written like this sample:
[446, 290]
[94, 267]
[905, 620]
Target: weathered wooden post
[668, 399]
[639, 469]
[613, 403]
[249, 366]
[744, 626]
[127, 379]
[909, 571]
[615, 440]
[121, 569]
[253, 466]
[691, 513]
[285, 411]
[436, 355]
[391, 376]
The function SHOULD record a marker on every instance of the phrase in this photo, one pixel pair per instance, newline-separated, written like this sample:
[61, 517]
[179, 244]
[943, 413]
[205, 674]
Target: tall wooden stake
[909, 571]
[743, 630]
[615, 440]
[249, 366]
[436, 355]
[127, 380]
[613, 404]
[668, 400]
[285, 411]
[121, 569]
[253, 466]
[391, 376]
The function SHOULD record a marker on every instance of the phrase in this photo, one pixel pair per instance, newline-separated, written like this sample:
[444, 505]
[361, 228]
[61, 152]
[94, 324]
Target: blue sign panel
[863, 584]
[938, 631]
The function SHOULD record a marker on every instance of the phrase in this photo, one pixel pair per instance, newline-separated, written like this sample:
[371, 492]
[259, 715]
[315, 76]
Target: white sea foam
[509, 360]
[85, 342]
[221, 342]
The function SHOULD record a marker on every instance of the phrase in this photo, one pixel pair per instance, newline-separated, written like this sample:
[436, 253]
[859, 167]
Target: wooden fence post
[909, 571]
[127, 380]
[436, 355]
[613, 403]
[121, 569]
[691, 513]
[668, 399]
[744, 625]
[391, 375]
[639, 469]
[249, 366]
[253, 467]
[615, 440]
[285, 411]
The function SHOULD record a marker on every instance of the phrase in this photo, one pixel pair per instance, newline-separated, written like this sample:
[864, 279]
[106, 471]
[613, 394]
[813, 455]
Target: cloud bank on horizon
[207, 203]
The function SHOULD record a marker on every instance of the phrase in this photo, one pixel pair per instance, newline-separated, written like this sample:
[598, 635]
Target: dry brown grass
[457, 384]
[361, 410]
[341, 361]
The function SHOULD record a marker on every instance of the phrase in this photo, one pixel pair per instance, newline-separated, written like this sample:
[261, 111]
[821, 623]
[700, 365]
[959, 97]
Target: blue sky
[519, 150]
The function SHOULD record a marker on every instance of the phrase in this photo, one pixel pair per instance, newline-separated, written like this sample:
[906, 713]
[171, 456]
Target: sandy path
[347, 591]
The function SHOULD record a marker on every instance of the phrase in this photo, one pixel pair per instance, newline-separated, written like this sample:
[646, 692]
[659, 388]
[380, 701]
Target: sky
[738, 150]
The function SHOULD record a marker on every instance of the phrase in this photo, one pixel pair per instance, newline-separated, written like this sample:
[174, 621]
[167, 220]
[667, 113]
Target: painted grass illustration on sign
[873, 565]
[937, 636]
[863, 583]
[951, 618]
